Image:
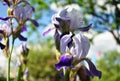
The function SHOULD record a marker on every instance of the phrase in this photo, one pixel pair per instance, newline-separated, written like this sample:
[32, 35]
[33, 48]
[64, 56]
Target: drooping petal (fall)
[92, 70]
[34, 22]
[24, 28]
[65, 61]
[22, 38]
[5, 19]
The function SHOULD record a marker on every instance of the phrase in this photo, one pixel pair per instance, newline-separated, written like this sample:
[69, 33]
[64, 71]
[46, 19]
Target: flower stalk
[9, 61]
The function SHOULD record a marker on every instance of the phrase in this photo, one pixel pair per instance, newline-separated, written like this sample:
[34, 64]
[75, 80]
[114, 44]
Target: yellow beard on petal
[67, 53]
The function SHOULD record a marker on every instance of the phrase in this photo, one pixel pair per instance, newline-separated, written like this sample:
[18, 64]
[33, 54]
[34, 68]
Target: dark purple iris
[65, 61]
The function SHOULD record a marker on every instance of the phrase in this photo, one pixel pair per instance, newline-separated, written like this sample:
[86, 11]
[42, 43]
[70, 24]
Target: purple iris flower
[22, 14]
[69, 19]
[73, 55]
[5, 31]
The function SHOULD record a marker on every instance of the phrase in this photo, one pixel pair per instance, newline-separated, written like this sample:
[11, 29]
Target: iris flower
[5, 32]
[69, 19]
[22, 14]
[74, 49]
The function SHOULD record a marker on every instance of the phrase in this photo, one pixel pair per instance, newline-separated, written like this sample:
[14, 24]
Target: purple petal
[92, 69]
[24, 28]
[18, 63]
[57, 25]
[2, 46]
[65, 61]
[62, 74]
[1, 31]
[26, 73]
[6, 2]
[65, 40]
[5, 19]
[63, 13]
[35, 22]
[82, 45]
[87, 72]
[64, 24]
[47, 31]
[61, 20]
[78, 46]
[33, 9]
[22, 38]
[57, 39]
[0, 38]
[85, 28]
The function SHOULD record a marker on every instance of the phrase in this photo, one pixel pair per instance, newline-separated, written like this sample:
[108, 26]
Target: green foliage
[109, 64]
[2, 79]
[41, 62]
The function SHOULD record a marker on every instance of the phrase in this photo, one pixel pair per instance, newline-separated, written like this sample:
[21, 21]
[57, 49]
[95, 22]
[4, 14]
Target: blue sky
[3, 10]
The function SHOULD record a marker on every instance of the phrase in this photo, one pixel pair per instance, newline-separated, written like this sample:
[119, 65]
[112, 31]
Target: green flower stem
[19, 73]
[9, 60]
[67, 75]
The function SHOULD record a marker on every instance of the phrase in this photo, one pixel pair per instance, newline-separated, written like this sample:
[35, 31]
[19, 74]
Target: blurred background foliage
[41, 60]
[109, 64]
[105, 17]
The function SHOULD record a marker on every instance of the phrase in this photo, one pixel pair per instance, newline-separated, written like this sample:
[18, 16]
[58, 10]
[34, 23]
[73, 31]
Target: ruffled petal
[78, 47]
[85, 45]
[85, 28]
[65, 61]
[64, 42]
